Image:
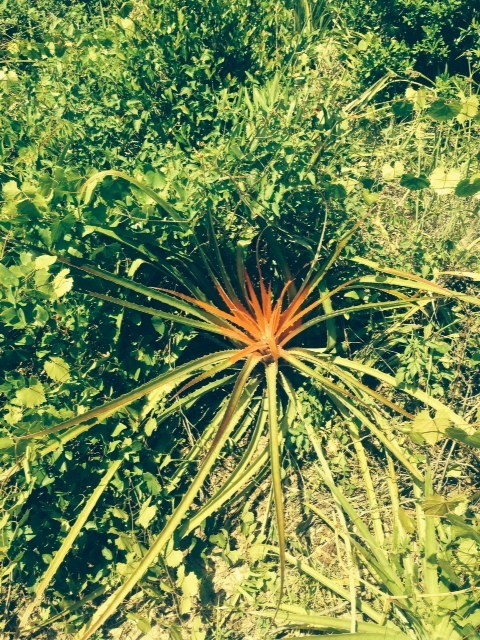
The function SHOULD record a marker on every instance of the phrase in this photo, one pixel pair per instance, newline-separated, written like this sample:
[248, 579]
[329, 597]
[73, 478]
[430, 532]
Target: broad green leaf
[462, 529]
[10, 189]
[174, 558]
[142, 623]
[390, 172]
[469, 106]
[147, 514]
[444, 181]
[45, 261]
[190, 585]
[7, 278]
[437, 505]
[413, 182]
[430, 430]
[468, 187]
[418, 97]
[57, 369]
[460, 435]
[6, 443]
[31, 397]
[443, 111]
[407, 522]
[62, 284]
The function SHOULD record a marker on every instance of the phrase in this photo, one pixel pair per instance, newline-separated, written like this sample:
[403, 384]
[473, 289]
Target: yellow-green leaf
[390, 172]
[31, 397]
[431, 430]
[444, 181]
[469, 108]
[407, 522]
[147, 513]
[174, 558]
[43, 262]
[62, 284]
[190, 585]
[437, 505]
[57, 369]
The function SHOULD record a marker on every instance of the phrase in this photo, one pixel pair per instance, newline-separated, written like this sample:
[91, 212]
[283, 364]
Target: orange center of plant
[261, 324]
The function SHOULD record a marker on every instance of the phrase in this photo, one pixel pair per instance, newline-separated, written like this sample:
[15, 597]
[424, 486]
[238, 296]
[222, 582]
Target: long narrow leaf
[231, 416]
[341, 399]
[276, 467]
[247, 468]
[218, 361]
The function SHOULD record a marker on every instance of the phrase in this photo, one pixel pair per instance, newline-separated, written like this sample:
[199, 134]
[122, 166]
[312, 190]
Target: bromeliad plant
[269, 339]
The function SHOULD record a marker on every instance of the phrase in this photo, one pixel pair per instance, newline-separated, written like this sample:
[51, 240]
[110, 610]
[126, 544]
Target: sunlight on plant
[275, 335]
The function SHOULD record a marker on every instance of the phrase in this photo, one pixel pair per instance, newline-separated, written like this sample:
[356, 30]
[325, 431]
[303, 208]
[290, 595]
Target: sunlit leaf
[57, 369]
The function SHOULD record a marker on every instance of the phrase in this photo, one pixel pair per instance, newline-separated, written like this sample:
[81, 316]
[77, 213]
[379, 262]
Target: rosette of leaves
[260, 337]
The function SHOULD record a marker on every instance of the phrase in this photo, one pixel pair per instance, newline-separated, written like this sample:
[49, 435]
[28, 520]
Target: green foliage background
[267, 115]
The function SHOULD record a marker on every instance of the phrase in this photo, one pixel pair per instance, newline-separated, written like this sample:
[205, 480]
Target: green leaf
[462, 529]
[458, 434]
[57, 369]
[468, 187]
[6, 443]
[31, 397]
[430, 430]
[43, 262]
[62, 284]
[147, 514]
[141, 622]
[443, 111]
[7, 278]
[174, 558]
[437, 505]
[414, 183]
[158, 325]
[444, 181]
[390, 172]
[469, 108]
[407, 522]
[190, 585]
[10, 189]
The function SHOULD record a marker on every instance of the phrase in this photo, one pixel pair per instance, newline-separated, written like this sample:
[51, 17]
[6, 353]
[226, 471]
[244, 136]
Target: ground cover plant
[239, 320]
